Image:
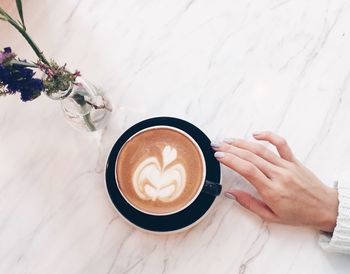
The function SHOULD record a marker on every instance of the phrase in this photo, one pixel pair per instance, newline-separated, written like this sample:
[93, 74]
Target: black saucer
[177, 220]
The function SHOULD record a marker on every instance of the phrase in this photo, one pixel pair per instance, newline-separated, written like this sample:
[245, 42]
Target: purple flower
[32, 90]
[7, 53]
[18, 78]
[4, 74]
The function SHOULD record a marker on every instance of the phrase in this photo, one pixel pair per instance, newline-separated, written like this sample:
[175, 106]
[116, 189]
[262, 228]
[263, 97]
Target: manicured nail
[219, 154]
[216, 143]
[230, 196]
[229, 140]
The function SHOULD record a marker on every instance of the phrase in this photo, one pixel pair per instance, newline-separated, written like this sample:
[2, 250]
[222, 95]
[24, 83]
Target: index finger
[259, 150]
[244, 168]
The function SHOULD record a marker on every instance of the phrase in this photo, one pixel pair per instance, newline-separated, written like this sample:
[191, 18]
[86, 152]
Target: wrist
[329, 211]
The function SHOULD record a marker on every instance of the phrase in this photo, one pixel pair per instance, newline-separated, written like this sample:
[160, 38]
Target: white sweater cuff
[339, 241]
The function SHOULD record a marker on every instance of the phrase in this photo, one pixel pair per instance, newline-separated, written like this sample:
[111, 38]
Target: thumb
[251, 203]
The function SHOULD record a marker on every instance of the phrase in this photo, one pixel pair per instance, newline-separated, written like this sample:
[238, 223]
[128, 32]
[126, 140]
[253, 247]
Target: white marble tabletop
[231, 68]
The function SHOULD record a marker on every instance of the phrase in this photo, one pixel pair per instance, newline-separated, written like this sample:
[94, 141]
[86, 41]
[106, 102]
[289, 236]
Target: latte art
[160, 170]
[154, 180]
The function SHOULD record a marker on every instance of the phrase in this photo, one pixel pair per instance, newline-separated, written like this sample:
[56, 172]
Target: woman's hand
[291, 194]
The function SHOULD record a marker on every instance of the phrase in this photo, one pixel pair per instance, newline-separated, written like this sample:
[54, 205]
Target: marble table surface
[231, 68]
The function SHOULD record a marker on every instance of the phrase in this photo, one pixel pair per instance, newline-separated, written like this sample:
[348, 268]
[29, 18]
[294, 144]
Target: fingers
[280, 143]
[246, 169]
[266, 167]
[257, 149]
[253, 204]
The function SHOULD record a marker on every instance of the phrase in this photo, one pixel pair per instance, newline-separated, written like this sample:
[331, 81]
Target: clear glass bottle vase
[84, 106]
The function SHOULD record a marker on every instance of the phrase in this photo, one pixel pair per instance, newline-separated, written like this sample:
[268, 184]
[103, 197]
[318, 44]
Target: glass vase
[84, 106]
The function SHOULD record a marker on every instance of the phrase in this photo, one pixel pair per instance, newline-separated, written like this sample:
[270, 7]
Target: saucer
[176, 221]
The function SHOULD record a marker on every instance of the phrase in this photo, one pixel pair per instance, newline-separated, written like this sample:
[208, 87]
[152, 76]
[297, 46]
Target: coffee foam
[160, 170]
[153, 180]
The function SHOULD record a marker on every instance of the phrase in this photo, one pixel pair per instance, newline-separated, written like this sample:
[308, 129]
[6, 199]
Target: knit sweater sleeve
[339, 240]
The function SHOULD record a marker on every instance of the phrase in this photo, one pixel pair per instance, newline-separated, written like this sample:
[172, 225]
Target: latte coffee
[160, 170]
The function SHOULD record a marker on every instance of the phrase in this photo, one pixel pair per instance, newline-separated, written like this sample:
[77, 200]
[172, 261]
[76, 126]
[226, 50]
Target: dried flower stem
[98, 107]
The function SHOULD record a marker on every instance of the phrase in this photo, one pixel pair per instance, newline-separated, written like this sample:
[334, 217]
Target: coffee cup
[168, 148]
[161, 170]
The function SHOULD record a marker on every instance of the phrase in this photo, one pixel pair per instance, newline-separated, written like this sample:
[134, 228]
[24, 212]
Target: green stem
[87, 120]
[36, 49]
[80, 100]
[22, 31]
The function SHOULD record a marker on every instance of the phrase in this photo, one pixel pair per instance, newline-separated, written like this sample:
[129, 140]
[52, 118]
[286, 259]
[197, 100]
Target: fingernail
[216, 143]
[219, 154]
[230, 196]
[229, 140]
[256, 133]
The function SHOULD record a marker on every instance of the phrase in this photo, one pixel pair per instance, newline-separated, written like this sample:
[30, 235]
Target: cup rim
[200, 188]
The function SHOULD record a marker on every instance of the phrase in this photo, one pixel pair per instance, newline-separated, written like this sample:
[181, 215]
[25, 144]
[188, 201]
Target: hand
[291, 194]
